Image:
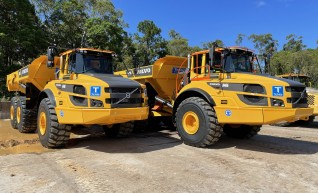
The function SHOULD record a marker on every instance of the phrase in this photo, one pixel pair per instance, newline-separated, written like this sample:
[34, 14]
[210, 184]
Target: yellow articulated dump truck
[218, 90]
[312, 99]
[77, 88]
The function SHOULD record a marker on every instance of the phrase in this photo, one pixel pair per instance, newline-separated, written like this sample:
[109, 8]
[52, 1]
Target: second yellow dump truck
[312, 99]
[77, 87]
[217, 90]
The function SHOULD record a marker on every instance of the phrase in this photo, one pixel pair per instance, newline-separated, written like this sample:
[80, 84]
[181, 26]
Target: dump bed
[36, 73]
[162, 75]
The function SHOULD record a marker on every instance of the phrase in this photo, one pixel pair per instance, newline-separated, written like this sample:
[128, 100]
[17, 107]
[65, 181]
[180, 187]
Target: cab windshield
[238, 63]
[91, 62]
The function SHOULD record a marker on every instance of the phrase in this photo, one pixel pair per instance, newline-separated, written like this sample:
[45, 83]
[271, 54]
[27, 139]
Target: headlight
[96, 103]
[277, 103]
[254, 88]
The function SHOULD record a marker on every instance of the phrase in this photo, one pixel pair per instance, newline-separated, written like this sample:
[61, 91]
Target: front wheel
[197, 123]
[51, 133]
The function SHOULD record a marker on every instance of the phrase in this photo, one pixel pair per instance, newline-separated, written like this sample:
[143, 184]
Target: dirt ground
[277, 160]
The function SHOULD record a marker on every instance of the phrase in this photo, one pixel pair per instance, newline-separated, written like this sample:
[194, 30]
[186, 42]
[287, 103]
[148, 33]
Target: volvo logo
[127, 95]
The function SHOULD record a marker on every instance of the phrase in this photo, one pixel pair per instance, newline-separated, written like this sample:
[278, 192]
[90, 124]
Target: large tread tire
[13, 113]
[51, 133]
[207, 129]
[241, 132]
[26, 119]
[119, 130]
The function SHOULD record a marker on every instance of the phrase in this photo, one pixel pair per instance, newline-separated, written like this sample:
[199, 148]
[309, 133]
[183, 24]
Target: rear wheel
[13, 113]
[242, 131]
[119, 130]
[197, 123]
[51, 133]
[26, 118]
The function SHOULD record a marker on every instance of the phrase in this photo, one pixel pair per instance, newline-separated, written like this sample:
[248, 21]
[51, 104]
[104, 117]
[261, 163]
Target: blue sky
[206, 20]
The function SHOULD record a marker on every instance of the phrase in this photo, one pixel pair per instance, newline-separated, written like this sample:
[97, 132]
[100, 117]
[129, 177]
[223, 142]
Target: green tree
[21, 37]
[266, 46]
[239, 39]
[149, 42]
[207, 45]
[294, 44]
[83, 23]
[177, 45]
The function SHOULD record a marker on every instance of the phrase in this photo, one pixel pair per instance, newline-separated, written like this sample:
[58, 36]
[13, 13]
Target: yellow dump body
[36, 73]
[162, 75]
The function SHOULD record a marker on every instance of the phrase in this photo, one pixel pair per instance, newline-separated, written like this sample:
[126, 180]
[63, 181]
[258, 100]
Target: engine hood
[114, 80]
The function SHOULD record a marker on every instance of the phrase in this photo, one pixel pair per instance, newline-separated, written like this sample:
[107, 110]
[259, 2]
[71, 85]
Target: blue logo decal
[95, 90]
[62, 113]
[228, 113]
[180, 70]
[278, 91]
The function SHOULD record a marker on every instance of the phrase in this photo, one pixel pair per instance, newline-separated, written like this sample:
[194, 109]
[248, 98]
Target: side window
[197, 63]
[72, 62]
[63, 61]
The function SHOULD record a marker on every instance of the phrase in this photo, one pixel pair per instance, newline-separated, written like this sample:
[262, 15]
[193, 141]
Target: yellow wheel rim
[42, 123]
[11, 112]
[190, 122]
[19, 114]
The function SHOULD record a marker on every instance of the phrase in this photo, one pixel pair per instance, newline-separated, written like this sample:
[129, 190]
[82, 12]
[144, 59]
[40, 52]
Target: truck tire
[51, 133]
[241, 132]
[26, 119]
[119, 130]
[197, 123]
[13, 113]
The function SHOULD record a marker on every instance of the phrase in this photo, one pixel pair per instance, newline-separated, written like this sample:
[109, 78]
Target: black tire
[13, 113]
[207, 131]
[119, 130]
[241, 132]
[26, 119]
[51, 133]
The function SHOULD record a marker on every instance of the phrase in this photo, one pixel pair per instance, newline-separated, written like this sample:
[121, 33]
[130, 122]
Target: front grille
[125, 101]
[298, 97]
[121, 90]
[124, 97]
[295, 88]
[311, 99]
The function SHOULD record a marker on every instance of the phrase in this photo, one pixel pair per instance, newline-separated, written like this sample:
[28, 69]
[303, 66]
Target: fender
[47, 93]
[192, 92]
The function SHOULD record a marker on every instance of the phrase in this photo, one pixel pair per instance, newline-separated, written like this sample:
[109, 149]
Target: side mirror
[51, 52]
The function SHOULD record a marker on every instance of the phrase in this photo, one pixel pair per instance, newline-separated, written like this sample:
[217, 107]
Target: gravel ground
[279, 159]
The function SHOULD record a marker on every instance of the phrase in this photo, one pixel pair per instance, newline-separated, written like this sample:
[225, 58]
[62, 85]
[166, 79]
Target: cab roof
[221, 49]
[87, 49]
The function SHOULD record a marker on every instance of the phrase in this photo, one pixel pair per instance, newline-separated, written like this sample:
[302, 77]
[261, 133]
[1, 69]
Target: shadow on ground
[159, 138]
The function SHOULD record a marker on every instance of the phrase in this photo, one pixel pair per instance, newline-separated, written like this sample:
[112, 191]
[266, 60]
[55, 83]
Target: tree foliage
[177, 45]
[266, 46]
[303, 62]
[21, 37]
[149, 42]
[239, 39]
[294, 44]
[207, 45]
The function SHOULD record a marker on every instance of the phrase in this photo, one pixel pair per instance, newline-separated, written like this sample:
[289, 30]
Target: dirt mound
[12, 142]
